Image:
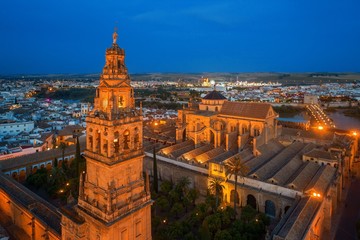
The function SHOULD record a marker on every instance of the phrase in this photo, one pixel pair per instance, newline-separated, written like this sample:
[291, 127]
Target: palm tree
[182, 186]
[216, 187]
[192, 195]
[235, 167]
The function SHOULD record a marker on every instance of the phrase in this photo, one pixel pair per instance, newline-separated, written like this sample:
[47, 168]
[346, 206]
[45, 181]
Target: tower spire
[114, 201]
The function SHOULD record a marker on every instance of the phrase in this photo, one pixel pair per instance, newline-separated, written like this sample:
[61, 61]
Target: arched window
[136, 138]
[121, 101]
[126, 139]
[270, 209]
[256, 131]
[48, 166]
[90, 142]
[116, 142]
[251, 201]
[22, 175]
[244, 129]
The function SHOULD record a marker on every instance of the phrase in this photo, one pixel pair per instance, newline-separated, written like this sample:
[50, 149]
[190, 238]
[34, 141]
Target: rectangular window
[138, 229]
[215, 167]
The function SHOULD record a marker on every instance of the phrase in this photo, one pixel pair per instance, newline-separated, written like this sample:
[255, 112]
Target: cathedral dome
[214, 95]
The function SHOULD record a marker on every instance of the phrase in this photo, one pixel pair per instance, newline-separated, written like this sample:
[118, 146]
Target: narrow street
[347, 225]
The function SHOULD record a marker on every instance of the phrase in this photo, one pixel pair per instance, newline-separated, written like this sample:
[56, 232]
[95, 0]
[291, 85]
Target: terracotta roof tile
[245, 109]
[317, 153]
[214, 95]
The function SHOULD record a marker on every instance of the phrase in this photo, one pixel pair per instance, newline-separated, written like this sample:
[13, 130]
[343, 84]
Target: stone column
[266, 132]
[110, 143]
[100, 141]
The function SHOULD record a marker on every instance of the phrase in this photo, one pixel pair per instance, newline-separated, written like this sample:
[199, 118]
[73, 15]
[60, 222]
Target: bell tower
[113, 201]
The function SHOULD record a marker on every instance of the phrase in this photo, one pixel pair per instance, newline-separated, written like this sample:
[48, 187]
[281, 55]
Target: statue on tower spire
[115, 35]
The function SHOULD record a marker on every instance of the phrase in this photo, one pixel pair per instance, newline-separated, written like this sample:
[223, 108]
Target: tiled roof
[291, 166]
[322, 179]
[317, 153]
[43, 125]
[177, 146]
[177, 153]
[197, 151]
[70, 130]
[206, 156]
[297, 222]
[39, 207]
[37, 157]
[245, 109]
[315, 134]
[278, 162]
[214, 95]
[267, 153]
[302, 178]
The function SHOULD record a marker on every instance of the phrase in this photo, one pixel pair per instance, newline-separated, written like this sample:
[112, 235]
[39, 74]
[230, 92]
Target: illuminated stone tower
[113, 200]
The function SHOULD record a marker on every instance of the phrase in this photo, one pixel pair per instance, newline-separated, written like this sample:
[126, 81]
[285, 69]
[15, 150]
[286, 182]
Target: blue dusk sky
[70, 36]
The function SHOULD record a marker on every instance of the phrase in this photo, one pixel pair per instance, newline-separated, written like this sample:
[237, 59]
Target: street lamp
[316, 194]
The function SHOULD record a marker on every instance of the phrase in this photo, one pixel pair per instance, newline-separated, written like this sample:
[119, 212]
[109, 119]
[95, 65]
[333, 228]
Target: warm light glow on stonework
[114, 161]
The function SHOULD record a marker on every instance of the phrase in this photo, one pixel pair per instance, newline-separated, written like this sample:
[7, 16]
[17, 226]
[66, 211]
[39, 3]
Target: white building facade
[14, 128]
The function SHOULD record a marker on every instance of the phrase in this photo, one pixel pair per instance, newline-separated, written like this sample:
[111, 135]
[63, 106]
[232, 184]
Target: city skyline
[211, 36]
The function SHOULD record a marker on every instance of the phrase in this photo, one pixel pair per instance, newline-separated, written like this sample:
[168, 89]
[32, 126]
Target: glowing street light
[320, 127]
[316, 194]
